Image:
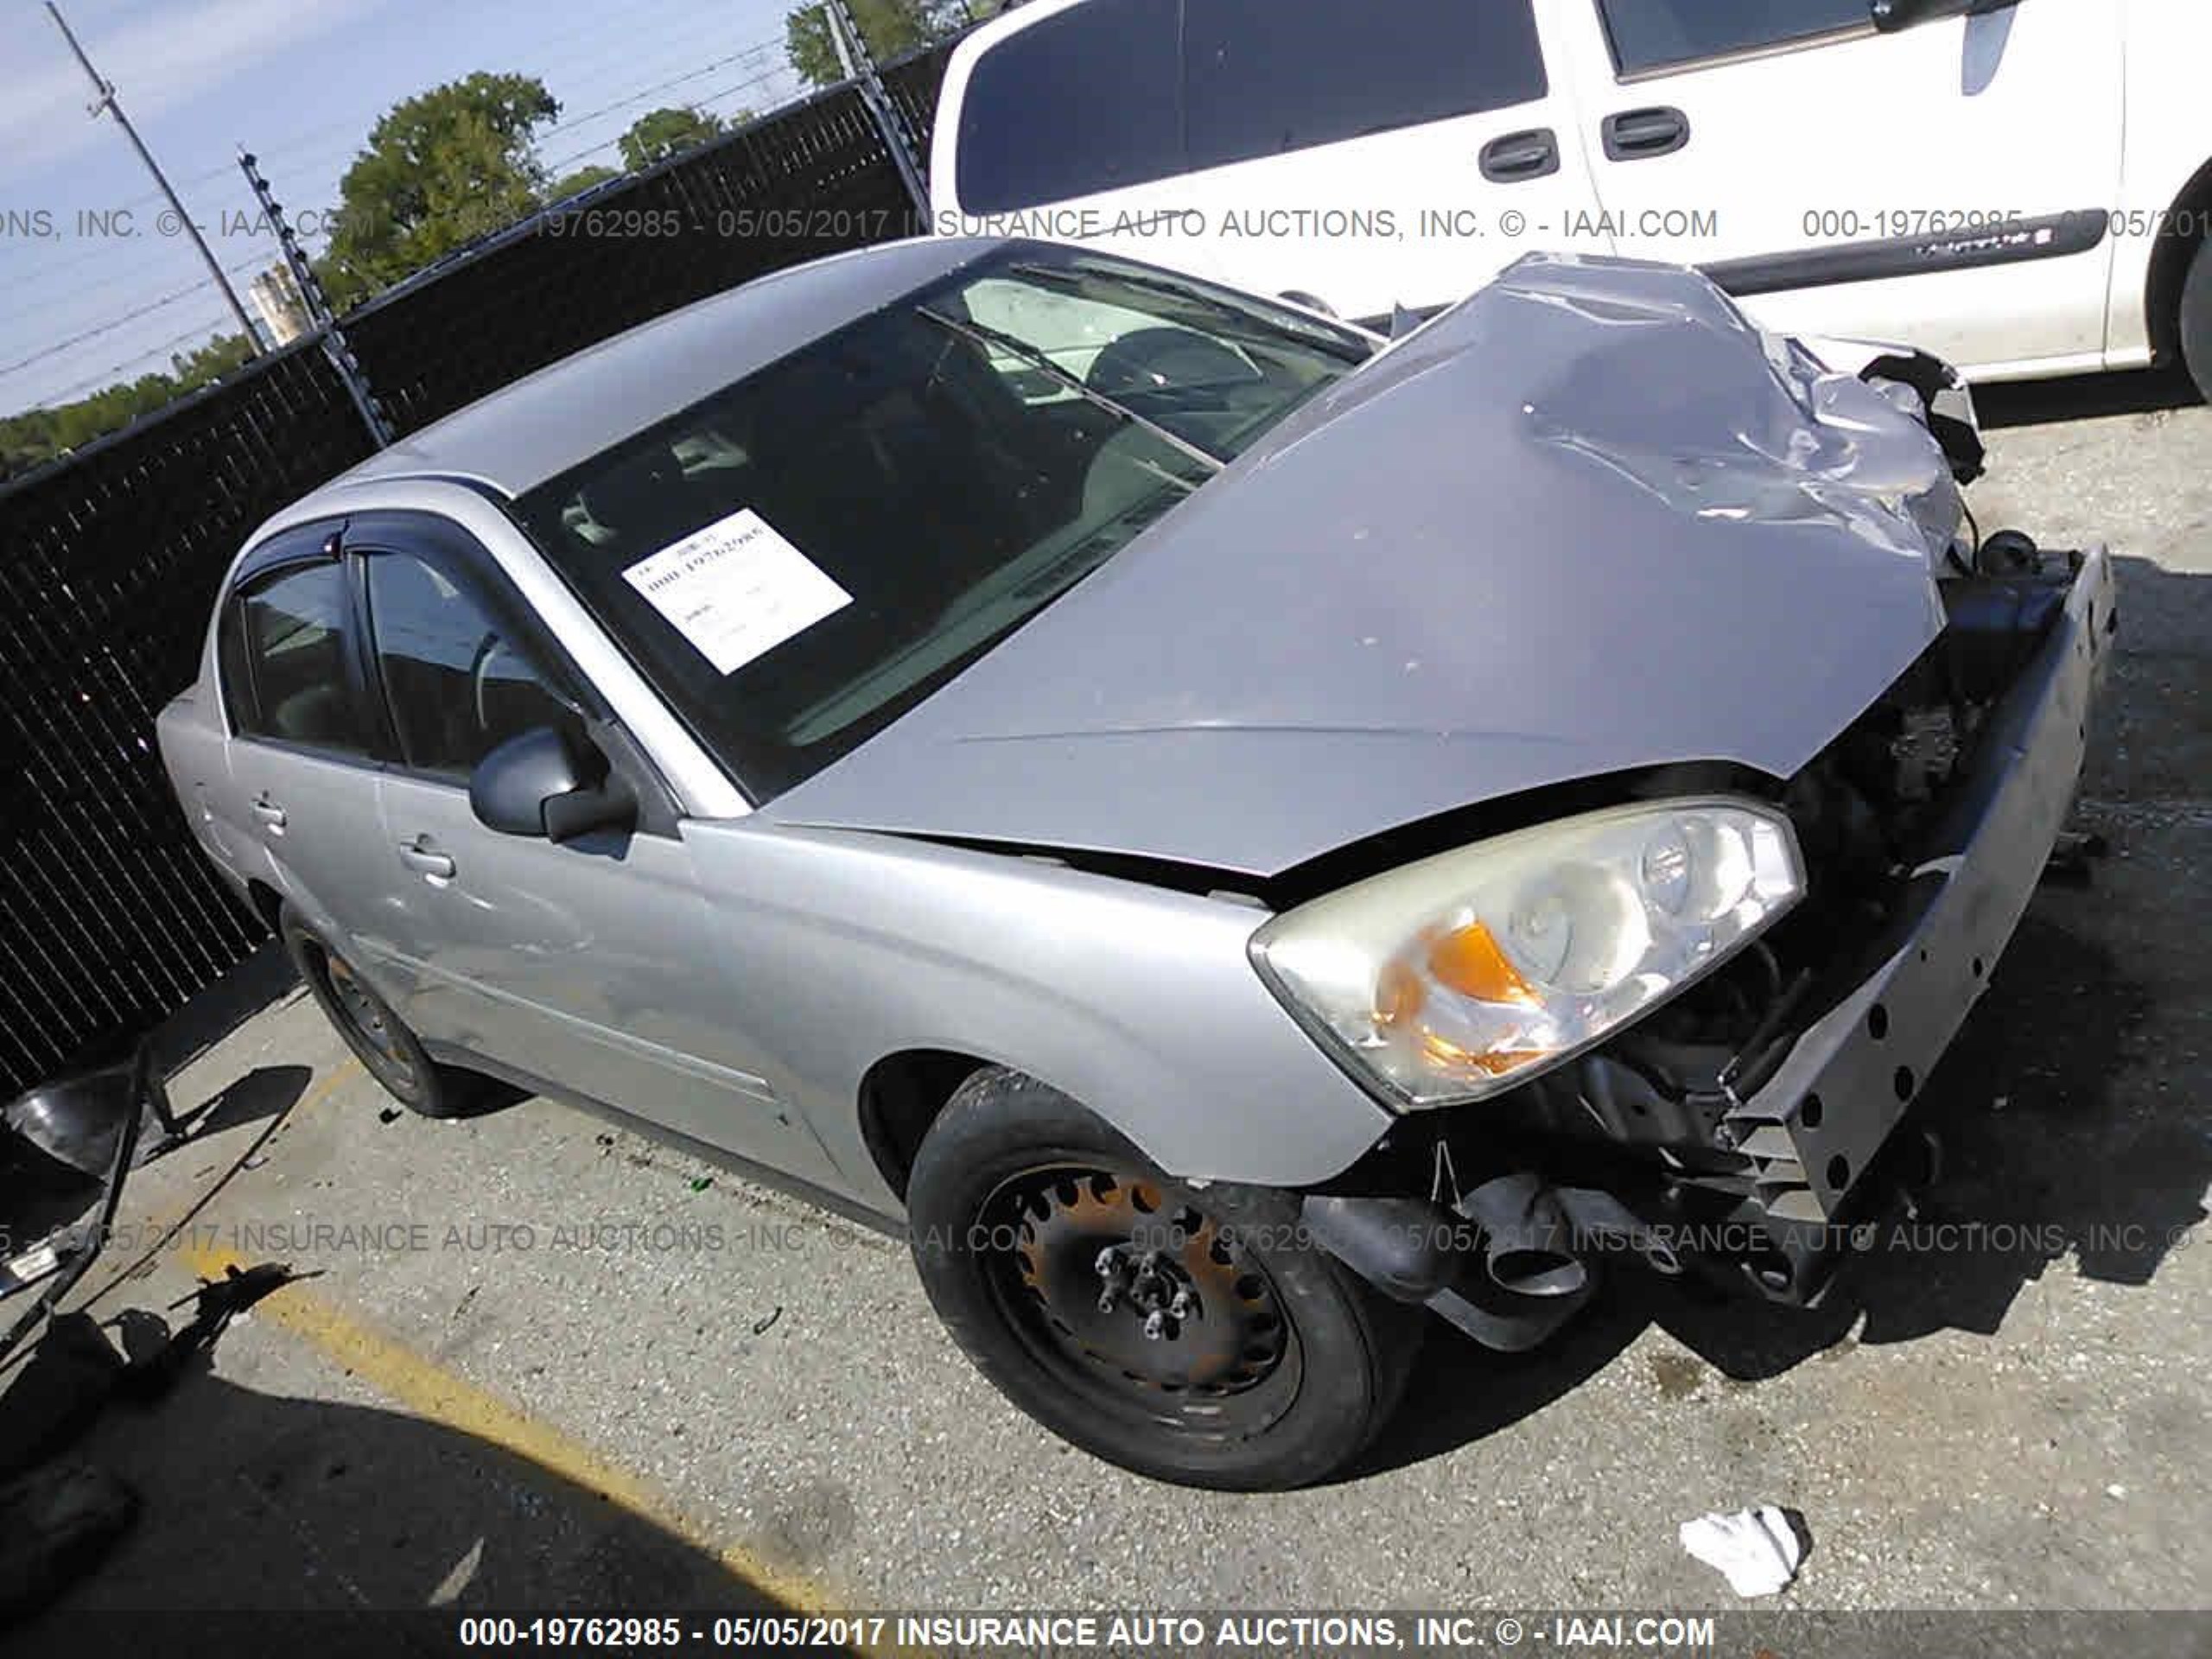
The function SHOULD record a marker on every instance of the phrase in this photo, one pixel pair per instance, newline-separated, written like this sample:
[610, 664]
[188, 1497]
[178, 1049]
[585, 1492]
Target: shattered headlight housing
[1469, 973]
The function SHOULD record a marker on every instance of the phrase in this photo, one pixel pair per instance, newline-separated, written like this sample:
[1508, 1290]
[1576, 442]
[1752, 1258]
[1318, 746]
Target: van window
[1085, 101]
[1654, 34]
[1101, 96]
[1267, 77]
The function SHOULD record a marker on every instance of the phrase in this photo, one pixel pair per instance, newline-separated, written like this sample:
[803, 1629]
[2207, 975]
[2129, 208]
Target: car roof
[539, 426]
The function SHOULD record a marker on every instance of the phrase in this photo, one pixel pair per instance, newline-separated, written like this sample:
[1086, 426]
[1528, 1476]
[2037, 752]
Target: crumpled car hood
[1588, 520]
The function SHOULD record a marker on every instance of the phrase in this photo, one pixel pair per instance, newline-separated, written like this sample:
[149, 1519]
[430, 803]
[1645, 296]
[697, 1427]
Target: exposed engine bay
[1686, 1142]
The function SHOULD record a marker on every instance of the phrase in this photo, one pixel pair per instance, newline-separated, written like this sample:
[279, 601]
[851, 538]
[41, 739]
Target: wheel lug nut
[1155, 1326]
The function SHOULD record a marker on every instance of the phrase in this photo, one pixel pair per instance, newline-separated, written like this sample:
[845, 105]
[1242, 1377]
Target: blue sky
[298, 82]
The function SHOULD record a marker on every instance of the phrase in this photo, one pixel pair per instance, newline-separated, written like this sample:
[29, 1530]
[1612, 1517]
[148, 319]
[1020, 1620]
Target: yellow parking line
[431, 1392]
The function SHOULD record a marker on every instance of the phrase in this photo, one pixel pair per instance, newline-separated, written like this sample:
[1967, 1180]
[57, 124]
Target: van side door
[1945, 180]
[1367, 157]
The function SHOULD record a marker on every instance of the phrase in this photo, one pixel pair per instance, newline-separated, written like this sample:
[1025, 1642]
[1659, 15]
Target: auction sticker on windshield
[736, 589]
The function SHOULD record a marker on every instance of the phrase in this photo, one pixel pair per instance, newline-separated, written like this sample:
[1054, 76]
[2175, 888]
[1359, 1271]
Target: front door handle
[421, 860]
[268, 812]
[1639, 135]
[1520, 157]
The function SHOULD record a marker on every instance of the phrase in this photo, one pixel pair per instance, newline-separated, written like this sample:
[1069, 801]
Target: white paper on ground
[1758, 1549]
[736, 589]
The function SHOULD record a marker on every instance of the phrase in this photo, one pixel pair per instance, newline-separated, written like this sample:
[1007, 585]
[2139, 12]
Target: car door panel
[310, 821]
[298, 805]
[1941, 184]
[585, 965]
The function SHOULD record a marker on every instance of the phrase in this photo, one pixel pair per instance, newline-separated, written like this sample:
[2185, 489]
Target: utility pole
[108, 101]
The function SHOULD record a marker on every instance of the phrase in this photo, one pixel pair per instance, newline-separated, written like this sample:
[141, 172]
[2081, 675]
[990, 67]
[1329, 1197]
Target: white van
[2019, 185]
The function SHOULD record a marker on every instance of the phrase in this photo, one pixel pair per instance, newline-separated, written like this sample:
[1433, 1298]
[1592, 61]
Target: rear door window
[295, 638]
[1648, 35]
[1268, 77]
[1087, 101]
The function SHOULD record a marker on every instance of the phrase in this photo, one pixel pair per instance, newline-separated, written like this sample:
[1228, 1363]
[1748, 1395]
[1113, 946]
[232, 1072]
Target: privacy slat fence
[109, 918]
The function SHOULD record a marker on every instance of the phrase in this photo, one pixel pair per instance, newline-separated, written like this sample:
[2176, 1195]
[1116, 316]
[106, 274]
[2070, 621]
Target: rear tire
[379, 1039]
[1024, 1208]
[2196, 319]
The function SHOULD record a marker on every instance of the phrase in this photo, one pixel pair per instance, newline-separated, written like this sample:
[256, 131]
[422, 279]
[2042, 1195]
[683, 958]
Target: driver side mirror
[551, 784]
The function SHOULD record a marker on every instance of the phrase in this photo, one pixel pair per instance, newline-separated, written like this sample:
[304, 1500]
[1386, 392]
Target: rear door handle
[1519, 156]
[419, 858]
[268, 812]
[1639, 135]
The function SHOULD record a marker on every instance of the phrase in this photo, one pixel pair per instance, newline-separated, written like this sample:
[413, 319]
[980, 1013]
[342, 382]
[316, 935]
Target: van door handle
[1519, 156]
[1639, 135]
[268, 812]
[417, 857]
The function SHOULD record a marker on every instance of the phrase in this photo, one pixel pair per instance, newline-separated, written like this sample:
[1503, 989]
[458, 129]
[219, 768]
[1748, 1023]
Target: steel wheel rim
[366, 1018]
[1135, 1297]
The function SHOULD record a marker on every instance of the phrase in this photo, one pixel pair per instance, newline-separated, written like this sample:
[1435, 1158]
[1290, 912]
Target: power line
[144, 272]
[556, 167]
[282, 154]
[640, 96]
[211, 328]
[92, 333]
[109, 325]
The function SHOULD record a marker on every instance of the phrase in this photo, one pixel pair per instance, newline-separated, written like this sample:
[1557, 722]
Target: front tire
[2196, 319]
[379, 1039]
[1189, 1334]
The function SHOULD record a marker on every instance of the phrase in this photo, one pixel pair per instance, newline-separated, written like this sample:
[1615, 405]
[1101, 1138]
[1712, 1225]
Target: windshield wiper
[983, 334]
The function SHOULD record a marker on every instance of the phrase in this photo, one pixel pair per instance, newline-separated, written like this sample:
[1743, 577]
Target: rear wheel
[1189, 1334]
[379, 1039]
[2196, 319]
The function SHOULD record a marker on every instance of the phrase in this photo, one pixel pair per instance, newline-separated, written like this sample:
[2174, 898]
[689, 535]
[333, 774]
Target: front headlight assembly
[1469, 973]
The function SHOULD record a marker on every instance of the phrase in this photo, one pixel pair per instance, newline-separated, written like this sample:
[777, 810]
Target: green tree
[580, 180]
[440, 169]
[39, 435]
[891, 28]
[661, 133]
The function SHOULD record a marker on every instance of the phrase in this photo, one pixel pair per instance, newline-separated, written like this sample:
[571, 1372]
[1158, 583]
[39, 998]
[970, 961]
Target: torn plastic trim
[93, 1122]
[1947, 402]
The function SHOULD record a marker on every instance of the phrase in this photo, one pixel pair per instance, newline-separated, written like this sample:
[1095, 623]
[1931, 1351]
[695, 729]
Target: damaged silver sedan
[1238, 837]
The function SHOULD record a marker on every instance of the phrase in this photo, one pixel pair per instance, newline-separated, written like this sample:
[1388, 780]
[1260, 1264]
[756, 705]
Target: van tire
[2196, 319]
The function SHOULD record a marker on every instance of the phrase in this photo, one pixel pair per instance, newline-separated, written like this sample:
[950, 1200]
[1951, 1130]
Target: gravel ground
[2017, 1425]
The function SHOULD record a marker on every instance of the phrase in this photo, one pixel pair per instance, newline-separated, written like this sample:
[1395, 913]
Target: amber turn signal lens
[1470, 963]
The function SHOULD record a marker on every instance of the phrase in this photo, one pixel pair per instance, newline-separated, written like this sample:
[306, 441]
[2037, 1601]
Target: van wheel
[379, 1039]
[1189, 1334]
[2196, 319]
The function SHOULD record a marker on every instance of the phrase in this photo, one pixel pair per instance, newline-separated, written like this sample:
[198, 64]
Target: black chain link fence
[109, 916]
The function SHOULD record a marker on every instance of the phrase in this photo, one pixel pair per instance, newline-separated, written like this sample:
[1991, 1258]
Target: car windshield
[799, 558]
